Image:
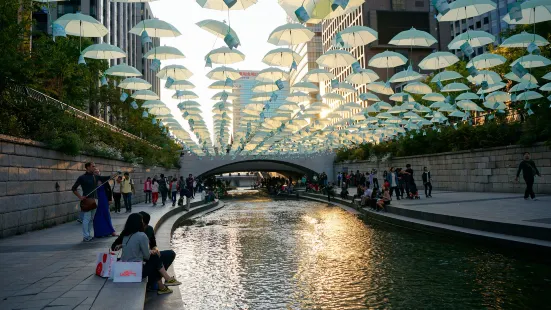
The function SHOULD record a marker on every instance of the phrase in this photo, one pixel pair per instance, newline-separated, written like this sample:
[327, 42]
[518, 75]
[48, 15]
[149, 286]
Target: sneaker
[153, 288]
[172, 282]
[163, 291]
[79, 221]
[88, 239]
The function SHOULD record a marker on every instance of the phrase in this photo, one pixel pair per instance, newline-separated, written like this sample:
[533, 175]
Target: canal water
[257, 253]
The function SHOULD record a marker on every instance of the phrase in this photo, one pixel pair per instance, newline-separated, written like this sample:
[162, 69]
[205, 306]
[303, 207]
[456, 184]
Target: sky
[253, 26]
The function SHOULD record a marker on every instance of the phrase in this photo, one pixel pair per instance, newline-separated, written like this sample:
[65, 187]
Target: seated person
[359, 192]
[344, 193]
[413, 192]
[381, 204]
[366, 196]
[135, 248]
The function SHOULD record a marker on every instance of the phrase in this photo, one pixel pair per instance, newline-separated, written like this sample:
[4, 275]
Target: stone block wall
[483, 170]
[29, 172]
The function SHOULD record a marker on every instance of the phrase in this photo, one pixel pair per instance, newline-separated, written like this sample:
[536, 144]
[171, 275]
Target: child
[413, 192]
[381, 204]
[154, 191]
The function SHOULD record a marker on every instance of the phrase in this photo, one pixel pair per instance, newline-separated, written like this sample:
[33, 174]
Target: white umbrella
[527, 77]
[354, 36]
[387, 59]
[123, 70]
[434, 97]
[413, 37]
[345, 87]
[185, 95]
[523, 40]
[491, 88]
[407, 75]
[305, 86]
[220, 85]
[222, 73]
[181, 85]
[546, 87]
[498, 96]
[221, 5]
[318, 10]
[475, 38]
[290, 34]
[532, 61]
[318, 75]
[333, 97]
[336, 58]
[159, 111]
[529, 95]
[176, 72]
[380, 88]
[271, 75]
[438, 60]
[263, 87]
[467, 105]
[495, 105]
[299, 97]
[369, 97]
[188, 104]
[446, 76]
[153, 103]
[217, 28]
[365, 76]
[490, 77]
[463, 9]
[533, 11]
[224, 55]
[417, 88]
[467, 96]
[82, 25]
[282, 57]
[164, 53]
[155, 28]
[145, 94]
[103, 51]
[455, 87]
[134, 84]
[485, 61]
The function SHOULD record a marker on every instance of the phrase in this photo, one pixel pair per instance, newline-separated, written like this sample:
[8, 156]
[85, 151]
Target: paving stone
[67, 301]
[87, 294]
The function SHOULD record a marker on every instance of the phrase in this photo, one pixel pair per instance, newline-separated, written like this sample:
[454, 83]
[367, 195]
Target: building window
[398, 4]
[486, 20]
[478, 24]
[419, 4]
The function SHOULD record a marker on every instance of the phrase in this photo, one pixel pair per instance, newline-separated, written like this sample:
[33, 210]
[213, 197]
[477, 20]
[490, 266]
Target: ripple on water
[265, 254]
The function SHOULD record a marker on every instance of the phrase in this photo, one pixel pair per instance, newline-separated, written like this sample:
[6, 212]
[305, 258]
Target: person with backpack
[163, 188]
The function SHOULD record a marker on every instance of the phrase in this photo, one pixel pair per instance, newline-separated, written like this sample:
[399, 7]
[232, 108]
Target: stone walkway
[53, 268]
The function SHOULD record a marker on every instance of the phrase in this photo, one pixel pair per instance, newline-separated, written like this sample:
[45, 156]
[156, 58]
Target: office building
[388, 18]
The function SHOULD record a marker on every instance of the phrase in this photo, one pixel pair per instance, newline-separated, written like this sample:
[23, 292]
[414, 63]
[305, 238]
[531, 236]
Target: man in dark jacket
[427, 182]
[163, 188]
[529, 170]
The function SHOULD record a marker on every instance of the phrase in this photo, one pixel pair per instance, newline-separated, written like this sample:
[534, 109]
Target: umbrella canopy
[220, 85]
[288, 106]
[407, 75]
[345, 87]
[333, 97]
[434, 97]
[282, 57]
[369, 97]
[261, 87]
[134, 84]
[380, 88]
[546, 87]
[153, 103]
[181, 85]
[492, 88]
[455, 87]
[336, 58]
[498, 96]
[159, 111]
[387, 59]
[533, 11]
[222, 73]
[82, 25]
[529, 95]
[123, 70]
[467, 105]
[318, 75]
[413, 37]
[438, 60]
[446, 76]
[176, 72]
[185, 95]
[155, 28]
[358, 36]
[485, 76]
[103, 51]
[463, 9]
[496, 105]
[418, 88]
[365, 76]
[475, 38]
[224, 55]
[271, 75]
[527, 77]
[485, 61]
[145, 94]
[290, 34]
[467, 96]
[523, 40]
[164, 53]
[220, 5]
[188, 104]
[298, 97]
[318, 10]
[305, 86]
[532, 61]
[217, 28]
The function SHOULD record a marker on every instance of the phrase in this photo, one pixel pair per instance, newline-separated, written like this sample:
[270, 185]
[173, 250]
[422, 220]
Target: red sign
[248, 73]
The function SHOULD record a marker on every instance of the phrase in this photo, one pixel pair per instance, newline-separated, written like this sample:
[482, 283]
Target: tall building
[118, 18]
[388, 18]
[491, 22]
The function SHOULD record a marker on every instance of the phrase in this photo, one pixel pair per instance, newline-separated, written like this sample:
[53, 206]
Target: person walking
[117, 193]
[427, 182]
[529, 171]
[339, 178]
[127, 189]
[154, 191]
[189, 185]
[392, 179]
[103, 227]
[163, 188]
[147, 190]
[88, 182]
[173, 190]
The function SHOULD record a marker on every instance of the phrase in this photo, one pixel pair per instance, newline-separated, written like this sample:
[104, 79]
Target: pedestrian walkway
[54, 269]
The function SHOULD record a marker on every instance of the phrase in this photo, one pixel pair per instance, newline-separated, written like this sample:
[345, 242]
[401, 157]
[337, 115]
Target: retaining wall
[482, 170]
[29, 172]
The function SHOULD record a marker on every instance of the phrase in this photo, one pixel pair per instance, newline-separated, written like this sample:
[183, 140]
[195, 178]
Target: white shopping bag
[104, 263]
[127, 272]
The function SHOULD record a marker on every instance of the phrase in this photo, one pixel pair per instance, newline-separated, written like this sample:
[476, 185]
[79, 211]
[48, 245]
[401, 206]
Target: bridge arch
[264, 165]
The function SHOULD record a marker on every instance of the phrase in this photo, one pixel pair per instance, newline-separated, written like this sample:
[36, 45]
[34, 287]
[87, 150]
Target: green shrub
[68, 143]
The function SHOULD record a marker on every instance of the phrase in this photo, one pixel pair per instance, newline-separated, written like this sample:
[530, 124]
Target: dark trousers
[529, 188]
[117, 198]
[127, 197]
[174, 197]
[397, 190]
[428, 189]
[164, 195]
[375, 183]
[155, 263]
[192, 191]
[147, 196]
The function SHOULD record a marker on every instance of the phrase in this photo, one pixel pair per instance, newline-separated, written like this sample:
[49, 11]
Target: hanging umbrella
[369, 97]
[523, 40]
[529, 95]
[336, 58]
[491, 88]
[533, 11]
[413, 37]
[134, 84]
[155, 28]
[282, 57]
[260, 87]
[289, 106]
[123, 70]
[527, 77]
[467, 96]
[217, 28]
[175, 72]
[434, 97]
[399, 97]
[418, 88]
[81, 25]
[318, 75]
[318, 10]
[407, 75]
[380, 88]
[467, 105]
[290, 34]
[438, 60]
[333, 97]
[547, 76]
[475, 38]
[498, 96]
[220, 85]
[181, 85]
[152, 103]
[446, 107]
[164, 53]
[145, 94]
[103, 51]
[185, 95]
[261, 96]
[365, 76]
[495, 105]
[532, 61]
[159, 111]
[305, 87]
[546, 87]
[387, 59]
[446, 76]
[463, 9]
[457, 113]
[345, 88]
[485, 61]
[221, 5]
[224, 55]
[455, 87]
[272, 74]
[355, 36]
[188, 104]
[298, 97]
[490, 77]
[222, 73]
[192, 111]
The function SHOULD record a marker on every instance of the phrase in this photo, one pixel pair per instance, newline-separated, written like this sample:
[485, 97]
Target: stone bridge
[217, 165]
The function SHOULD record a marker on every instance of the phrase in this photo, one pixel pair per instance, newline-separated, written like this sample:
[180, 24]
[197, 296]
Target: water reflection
[261, 254]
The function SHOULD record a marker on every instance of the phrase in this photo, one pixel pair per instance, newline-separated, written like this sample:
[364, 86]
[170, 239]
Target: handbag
[104, 264]
[88, 204]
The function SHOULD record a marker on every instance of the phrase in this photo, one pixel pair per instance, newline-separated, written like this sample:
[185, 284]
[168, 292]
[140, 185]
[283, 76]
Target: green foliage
[68, 143]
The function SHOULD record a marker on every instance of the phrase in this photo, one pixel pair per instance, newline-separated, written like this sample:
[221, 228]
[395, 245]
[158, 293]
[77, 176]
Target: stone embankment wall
[483, 170]
[29, 172]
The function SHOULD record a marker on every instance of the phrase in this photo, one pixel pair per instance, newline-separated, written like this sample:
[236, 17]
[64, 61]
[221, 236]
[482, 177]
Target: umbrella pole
[80, 38]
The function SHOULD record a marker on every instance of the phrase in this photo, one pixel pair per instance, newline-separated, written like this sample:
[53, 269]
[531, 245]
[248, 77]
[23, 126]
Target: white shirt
[117, 187]
[368, 192]
[155, 187]
[393, 178]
